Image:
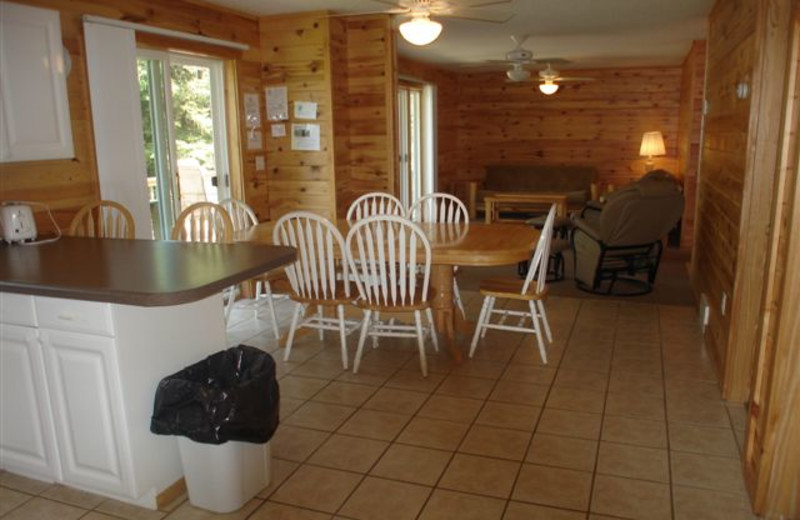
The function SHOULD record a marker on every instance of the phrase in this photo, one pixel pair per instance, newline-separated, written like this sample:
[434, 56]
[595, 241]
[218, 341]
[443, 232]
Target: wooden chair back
[103, 219]
[203, 222]
[439, 208]
[242, 215]
[320, 253]
[391, 258]
[538, 267]
[375, 203]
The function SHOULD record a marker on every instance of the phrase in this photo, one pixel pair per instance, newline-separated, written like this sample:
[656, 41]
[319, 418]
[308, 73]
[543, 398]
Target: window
[416, 141]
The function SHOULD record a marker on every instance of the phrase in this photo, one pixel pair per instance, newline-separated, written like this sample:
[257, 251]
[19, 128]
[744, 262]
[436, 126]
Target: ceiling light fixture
[518, 73]
[548, 88]
[420, 30]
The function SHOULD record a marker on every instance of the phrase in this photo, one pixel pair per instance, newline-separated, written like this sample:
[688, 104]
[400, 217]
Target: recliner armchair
[619, 240]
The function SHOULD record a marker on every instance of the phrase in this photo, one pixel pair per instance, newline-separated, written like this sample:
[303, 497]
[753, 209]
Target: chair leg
[361, 338]
[457, 298]
[479, 326]
[256, 297]
[537, 329]
[229, 306]
[376, 316]
[543, 314]
[434, 338]
[271, 305]
[342, 335]
[423, 360]
[489, 311]
[321, 315]
[298, 309]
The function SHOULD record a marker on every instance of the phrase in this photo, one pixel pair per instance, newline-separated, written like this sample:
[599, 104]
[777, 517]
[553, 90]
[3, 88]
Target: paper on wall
[305, 137]
[278, 130]
[305, 110]
[277, 103]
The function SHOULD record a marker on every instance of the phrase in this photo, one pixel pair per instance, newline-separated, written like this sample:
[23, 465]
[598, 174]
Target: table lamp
[652, 144]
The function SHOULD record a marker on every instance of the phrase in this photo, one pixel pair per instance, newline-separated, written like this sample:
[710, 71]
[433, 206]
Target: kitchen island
[88, 328]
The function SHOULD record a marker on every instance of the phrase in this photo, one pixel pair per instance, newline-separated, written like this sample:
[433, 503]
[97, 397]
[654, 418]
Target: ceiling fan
[519, 57]
[420, 30]
[550, 79]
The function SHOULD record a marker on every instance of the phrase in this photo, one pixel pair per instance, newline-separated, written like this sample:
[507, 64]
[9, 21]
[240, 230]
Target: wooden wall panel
[446, 83]
[296, 52]
[689, 128]
[365, 89]
[720, 188]
[66, 185]
[596, 123]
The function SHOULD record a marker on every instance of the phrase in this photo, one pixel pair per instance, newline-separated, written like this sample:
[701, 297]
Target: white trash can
[223, 477]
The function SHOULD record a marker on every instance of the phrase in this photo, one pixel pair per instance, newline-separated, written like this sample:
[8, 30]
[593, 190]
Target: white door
[27, 437]
[87, 406]
[416, 141]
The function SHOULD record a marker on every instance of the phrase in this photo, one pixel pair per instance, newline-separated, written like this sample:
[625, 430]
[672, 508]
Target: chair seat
[340, 299]
[414, 305]
[510, 288]
[558, 222]
[559, 245]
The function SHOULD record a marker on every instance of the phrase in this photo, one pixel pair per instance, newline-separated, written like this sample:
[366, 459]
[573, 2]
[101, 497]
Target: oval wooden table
[475, 245]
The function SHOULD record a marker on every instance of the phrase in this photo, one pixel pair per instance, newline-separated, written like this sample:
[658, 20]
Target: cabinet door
[27, 438]
[34, 111]
[87, 407]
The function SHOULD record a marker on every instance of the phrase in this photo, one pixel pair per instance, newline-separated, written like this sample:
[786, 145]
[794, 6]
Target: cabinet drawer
[17, 309]
[75, 315]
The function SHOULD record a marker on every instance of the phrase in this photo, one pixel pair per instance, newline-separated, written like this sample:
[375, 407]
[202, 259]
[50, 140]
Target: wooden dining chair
[533, 290]
[386, 250]
[203, 222]
[103, 219]
[375, 203]
[442, 208]
[319, 276]
[243, 217]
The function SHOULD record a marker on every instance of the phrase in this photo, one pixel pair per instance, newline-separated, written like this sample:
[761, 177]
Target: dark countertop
[147, 273]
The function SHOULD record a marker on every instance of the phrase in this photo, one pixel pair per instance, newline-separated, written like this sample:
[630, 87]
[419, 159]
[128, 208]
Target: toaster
[17, 223]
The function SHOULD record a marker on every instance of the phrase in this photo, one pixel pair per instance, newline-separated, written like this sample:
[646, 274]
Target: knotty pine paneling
[66, 185]
[365, 96]
[689, 128]
[296, 52]
[730, 59]
[446, 83]
[596, 123]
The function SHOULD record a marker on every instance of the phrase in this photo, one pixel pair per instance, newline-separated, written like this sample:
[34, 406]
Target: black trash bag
[229, 396]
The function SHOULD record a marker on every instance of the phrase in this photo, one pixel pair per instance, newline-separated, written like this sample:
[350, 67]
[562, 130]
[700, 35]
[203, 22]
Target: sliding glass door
[183, 119]
[416, 165]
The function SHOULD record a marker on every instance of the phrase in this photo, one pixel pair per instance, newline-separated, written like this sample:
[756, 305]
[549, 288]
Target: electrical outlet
[705, 311]
[723, 303]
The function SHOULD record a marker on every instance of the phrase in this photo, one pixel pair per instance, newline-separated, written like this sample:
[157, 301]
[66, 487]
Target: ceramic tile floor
[625, 421]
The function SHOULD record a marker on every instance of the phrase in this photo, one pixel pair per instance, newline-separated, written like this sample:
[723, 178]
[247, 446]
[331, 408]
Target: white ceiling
[589, 33]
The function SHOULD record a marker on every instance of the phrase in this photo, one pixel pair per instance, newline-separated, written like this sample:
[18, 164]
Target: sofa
[576, 181]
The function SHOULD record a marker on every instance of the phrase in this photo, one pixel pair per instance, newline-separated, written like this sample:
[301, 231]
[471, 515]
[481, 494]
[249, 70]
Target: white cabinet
[27, 437]
[78, 383]
[34, 111]
[87, 408]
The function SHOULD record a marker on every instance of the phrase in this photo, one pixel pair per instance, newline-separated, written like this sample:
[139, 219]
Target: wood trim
[772, 50]
[171, 494]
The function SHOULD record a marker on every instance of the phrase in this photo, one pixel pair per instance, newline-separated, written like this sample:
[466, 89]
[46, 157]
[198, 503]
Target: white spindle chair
[533, 290]
[442, 208]
[243, 217]
[316, 277]
[375, 203]
[203, 222]
[103, 219]
[386, 251]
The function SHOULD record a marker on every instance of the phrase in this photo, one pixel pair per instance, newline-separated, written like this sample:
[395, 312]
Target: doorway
[416, 140]
[183, 121]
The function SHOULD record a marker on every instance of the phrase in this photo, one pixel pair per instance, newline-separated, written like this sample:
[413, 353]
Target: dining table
[473, 244]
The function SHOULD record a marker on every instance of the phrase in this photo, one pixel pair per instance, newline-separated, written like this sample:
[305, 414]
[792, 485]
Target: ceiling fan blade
[575, 78]
[552, 61]
[482, 3]
[398, 11]
[397, 5]
[478, 15]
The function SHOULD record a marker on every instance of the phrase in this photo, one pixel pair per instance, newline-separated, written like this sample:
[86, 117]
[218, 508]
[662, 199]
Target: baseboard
[170, 494]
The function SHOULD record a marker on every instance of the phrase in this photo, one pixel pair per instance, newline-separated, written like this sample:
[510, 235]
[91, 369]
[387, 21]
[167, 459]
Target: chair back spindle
[103, 219]
[376, 203]
[439, 208]
[538, 267]
[391, 257]
[203, 222]
[315, 273]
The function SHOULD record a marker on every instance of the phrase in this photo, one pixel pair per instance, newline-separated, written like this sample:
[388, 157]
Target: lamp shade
[420, 30]
[548, 88]
[652, 144]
